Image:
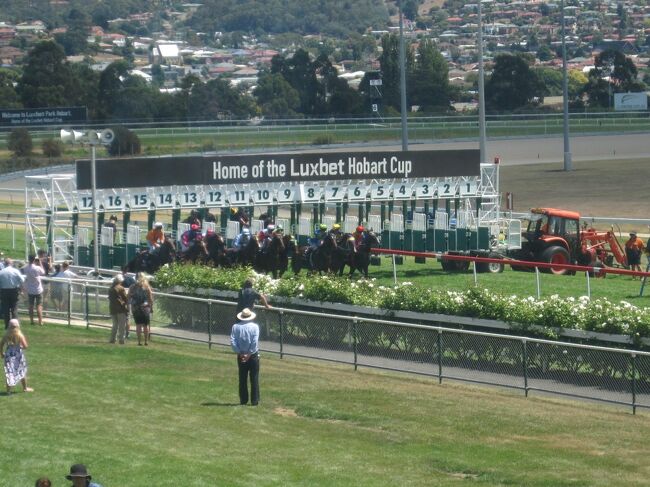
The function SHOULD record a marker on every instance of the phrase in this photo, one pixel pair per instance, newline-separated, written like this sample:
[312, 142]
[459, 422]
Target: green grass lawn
[430, 274]
[166, 415]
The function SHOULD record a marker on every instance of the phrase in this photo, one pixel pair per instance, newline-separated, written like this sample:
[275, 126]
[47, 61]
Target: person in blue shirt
[80, 477]
[242, 239]
[244, 339]
[319, 234]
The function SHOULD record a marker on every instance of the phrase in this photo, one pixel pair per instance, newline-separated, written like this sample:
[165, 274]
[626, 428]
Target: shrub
[20, 142]
[125, 142]
[52, 148]
[326, 139]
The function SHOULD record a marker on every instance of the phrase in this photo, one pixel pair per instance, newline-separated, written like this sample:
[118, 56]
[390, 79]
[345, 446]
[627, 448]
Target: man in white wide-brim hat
[244, 339]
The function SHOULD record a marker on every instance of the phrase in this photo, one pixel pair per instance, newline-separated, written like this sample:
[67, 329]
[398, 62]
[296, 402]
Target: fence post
[439, 356]
[354, 342]
[281, 322]
[209, 324]
[86, 305]
[634, 383]
[475, 274]
[539, 289]
[588, 284]
[69, 302]
[524, 362]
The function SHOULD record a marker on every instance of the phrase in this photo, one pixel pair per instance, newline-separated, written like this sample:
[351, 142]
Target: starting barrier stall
[440, 214]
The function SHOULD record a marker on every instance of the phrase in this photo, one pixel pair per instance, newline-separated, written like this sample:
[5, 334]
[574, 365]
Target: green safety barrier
[419, 241]
[430, 240]
[84, 256]
[106, 256]
[131, 250]
[119, 255]
[408, 240]
[483, 238]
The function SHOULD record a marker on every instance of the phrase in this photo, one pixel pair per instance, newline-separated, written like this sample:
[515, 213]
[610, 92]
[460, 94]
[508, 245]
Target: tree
[613, 73]
[46, 77]
[20, 142]
[124, 143]
[430, 82]
[75, 39]
[52, 147]
[545, 54]
[512, 85]
[390, 70]
[8, 96]
[276, 97]
[300, 73]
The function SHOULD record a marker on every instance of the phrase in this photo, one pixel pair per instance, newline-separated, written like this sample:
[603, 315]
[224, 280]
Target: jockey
[242, 239]
[267, 236]
[191, 237]
[319, 234]
[336, 231]
[155, 236]
[239, 215]
[359, 236]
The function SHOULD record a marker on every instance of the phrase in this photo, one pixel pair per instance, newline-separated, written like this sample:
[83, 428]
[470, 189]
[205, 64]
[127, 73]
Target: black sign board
[22, 117]
[270, 168]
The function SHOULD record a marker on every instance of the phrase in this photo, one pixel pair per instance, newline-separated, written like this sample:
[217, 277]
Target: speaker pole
[93, 178]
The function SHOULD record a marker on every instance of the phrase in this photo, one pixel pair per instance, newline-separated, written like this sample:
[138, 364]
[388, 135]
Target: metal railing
[610, 375]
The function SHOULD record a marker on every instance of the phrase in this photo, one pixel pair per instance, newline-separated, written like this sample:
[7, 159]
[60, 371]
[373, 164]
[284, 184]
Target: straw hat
[246, 315]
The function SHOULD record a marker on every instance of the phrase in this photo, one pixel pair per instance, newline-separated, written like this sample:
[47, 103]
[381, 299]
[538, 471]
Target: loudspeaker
[71, 135]
[106, 136]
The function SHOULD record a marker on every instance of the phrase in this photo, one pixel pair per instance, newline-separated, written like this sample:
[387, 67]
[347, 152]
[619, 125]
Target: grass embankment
[166, 415]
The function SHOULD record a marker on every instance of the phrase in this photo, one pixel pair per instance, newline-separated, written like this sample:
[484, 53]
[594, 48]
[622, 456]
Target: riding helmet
[360, 229]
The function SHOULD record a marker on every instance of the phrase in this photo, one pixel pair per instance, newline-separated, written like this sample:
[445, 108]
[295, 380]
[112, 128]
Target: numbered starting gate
[133, 240]
[305, 230]
[232, 230]
[106, 248]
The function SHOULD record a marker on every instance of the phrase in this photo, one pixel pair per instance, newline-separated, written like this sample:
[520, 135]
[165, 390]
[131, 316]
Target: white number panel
[113, 201]
[215, 198]
[380, 192]
[468, 187]
[189, 198]
[334, 193]
[357, 192]
[311, 194]
[164, 199]
[401, 191]
[424, 190]
[288, 195]
[139, 200]
[239, 197]
[447, 189]
[263, 196]
[85, 203]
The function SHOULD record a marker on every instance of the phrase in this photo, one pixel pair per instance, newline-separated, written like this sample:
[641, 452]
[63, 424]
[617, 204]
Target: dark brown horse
[268, 259]
[150, 261]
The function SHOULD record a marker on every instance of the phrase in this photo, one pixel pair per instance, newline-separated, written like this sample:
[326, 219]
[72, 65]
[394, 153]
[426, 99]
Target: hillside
[333, 17]
[54, 13]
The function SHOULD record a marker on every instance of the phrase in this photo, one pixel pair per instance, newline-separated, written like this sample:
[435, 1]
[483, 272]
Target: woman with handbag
[141, 299]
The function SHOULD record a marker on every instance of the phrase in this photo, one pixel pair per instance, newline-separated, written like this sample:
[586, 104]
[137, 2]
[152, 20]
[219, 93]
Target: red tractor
[556, 237]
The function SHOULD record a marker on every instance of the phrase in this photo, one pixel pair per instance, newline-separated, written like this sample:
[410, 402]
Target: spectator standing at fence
[633, 251]
[45, 260]
[244, 339]
[80, 477]
[12, 347]
[34, 287]
[11, 282]
[129, 280]
[118, 303]
[141, 300]
[249, 296]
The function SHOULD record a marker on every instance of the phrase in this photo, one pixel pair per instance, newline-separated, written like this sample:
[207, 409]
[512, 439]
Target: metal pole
[474, 272]
[524, 357]
[209, 324]
[565, 95]
[402, 84]
[69, 302]
[354, 343]
[481, 88]
[439, 356]
[281, 334]
[588, 284]
[94, 197]
[394, 270]
[539, 289]
[634, 383]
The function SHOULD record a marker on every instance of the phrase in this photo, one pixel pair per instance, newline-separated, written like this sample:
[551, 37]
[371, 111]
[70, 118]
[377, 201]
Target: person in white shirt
[34, 288]
[11, 282]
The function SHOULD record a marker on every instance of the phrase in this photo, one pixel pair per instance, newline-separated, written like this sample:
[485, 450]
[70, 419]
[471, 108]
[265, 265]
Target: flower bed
[522, 313]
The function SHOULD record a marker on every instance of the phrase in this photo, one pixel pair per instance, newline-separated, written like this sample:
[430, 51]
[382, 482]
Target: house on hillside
[166, 54]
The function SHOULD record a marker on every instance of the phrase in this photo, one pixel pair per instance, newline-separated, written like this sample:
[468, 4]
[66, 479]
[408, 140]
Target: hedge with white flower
[598, 315]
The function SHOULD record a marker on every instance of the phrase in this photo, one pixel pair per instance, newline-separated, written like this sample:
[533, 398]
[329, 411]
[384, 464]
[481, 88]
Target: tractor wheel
[556, 255]
[490, 267]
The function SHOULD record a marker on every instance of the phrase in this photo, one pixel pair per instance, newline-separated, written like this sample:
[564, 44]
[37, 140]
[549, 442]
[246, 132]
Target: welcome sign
[272, 168]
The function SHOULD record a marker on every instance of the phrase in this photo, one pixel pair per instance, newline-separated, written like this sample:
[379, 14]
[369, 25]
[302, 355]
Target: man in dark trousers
[244, 339]
[11, 282]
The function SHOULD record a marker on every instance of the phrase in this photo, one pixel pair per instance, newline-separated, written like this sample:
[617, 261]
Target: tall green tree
[512, 85]
[390, 71]
[430, 81]
[8, 96]
[75, 39]
[613, 72]
[276, 97]
[300, 73]
[47, 76]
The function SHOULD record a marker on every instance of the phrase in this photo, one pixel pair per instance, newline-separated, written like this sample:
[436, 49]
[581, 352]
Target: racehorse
[360, 260]
[290, 252]
[320, 259]
[149, 261]
[246, 255]
[215, 250]
[197, 252]
[268, 260]
[344, 254]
